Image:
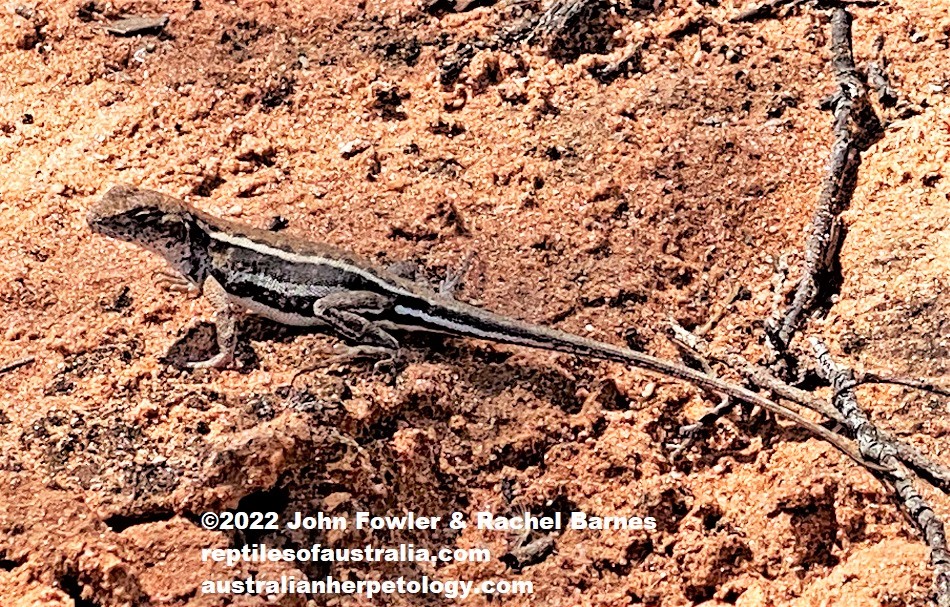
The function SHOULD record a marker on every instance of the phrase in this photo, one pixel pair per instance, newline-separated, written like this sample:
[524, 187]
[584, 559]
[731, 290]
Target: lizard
[297, 282]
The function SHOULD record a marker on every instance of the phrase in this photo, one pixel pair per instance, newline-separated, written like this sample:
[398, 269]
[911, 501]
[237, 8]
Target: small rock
[385, 98]
[509, 65]
[144, 411]
[257, 150]
[779, 103]
[373, 166]
[648, 390]
[484, 70]
[448, 128]
[23, 34]
[456, 100]
[354, 147]
[137, 26]
[278, 223]
[513, 92]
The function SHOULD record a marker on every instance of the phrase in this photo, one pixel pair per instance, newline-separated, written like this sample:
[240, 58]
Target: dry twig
[769, 8]
[925, 385]
[690, 431]
[16, 364]
[934, 473]
[894, 475]
[856, 127]
[760, 376]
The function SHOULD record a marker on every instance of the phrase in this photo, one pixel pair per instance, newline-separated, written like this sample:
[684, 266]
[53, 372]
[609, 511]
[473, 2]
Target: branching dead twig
[856, 127]
[760, 376]
[840, 442]
[894, 476]
[689, 431]
[932, 472]
[714, 384]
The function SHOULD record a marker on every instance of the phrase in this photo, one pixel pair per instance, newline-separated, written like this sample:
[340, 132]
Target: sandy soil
[601, 208]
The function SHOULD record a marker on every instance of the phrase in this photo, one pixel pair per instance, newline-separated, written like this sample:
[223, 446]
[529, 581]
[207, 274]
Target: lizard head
[152, 220]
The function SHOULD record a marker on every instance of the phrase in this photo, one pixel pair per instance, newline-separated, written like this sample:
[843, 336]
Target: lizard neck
[189, 255]
[196, 263]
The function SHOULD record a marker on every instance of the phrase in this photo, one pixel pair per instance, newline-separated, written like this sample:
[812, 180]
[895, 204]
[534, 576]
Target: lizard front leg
[176, 283]
[225, 324]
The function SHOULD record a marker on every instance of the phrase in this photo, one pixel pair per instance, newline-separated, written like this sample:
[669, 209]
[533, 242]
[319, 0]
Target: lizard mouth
[95, 217]
[95, 223]
[118, 201]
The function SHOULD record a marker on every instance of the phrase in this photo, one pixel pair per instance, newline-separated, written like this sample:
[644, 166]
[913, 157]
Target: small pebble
[353, 147]
[278, 223]
[648, 390]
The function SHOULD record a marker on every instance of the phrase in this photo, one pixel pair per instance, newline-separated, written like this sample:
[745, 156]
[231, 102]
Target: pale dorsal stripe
[461, 328]
[286, 288]
[265, 249]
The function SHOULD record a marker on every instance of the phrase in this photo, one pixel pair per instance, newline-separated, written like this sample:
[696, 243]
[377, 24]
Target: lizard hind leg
[453, 279]
[341, 312]
[344, 313]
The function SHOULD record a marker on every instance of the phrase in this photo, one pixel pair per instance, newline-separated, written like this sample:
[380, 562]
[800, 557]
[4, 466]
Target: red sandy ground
[603, 209]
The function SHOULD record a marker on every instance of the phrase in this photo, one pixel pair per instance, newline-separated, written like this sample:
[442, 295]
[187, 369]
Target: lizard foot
[449, 286]
[175, 283]
[386, 357]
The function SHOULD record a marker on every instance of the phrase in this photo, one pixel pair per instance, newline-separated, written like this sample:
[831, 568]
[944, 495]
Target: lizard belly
[284, 318]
